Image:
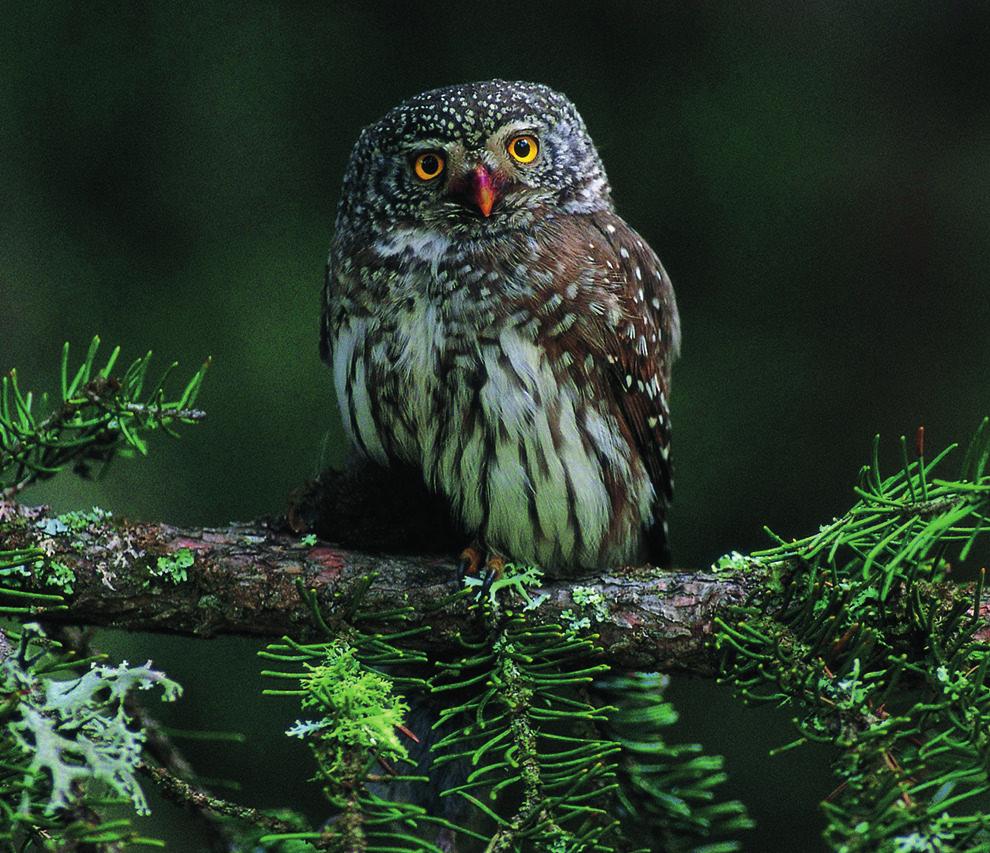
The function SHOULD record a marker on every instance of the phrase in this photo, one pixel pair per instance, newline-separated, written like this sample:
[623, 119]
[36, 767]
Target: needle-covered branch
[242, 579]
[95, 414]
[860, 628]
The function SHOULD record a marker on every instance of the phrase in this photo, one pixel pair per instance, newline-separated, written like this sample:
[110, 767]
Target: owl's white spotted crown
[465, 124]
[470, 112]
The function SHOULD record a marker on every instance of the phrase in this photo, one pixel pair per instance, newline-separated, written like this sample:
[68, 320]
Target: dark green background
[814, 175]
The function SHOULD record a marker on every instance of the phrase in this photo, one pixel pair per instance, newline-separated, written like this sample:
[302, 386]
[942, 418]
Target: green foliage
[524, 731]
[355, 735]
[857, 628]
[666, 791]
[14, 601]
[69, 747]
[95, 415]
[173, 567]
[544, 738]
[523, 740]
[67, 740]
[882, 657]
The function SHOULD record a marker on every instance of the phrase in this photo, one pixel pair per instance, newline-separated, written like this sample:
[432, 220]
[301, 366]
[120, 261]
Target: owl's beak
[484, 191]
[479, 190]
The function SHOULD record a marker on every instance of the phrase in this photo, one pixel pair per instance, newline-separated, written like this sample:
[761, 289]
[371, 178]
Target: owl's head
[470, 160]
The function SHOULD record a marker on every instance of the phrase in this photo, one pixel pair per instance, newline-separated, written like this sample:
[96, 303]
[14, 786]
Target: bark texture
[241, 579]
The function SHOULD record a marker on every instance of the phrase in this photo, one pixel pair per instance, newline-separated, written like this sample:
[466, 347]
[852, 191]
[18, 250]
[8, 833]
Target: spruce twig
[182, 792]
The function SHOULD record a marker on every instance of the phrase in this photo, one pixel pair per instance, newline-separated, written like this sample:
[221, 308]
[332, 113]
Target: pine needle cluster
[533, 746]
[881, 655]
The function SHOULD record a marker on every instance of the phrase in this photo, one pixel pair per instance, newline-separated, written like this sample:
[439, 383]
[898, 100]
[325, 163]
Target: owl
[492, 323]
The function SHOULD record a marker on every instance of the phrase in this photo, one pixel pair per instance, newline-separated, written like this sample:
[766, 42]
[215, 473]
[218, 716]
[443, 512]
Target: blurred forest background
[814, 175]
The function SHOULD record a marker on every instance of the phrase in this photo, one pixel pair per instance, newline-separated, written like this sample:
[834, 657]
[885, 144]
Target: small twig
[178, 791]
[164, 411]
[157, 743]
[15, 489]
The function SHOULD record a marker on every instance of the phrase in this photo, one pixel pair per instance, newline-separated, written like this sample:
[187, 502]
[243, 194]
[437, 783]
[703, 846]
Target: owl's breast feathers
[528, 378]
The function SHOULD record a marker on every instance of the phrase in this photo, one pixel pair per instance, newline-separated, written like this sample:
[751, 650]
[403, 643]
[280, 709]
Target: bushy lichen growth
[355, 708]
[67, 738]
[355, 732]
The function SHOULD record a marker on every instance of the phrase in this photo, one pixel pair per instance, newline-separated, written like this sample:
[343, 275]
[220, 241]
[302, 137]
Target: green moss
[356, 711]
[173, 567]
[60, 575]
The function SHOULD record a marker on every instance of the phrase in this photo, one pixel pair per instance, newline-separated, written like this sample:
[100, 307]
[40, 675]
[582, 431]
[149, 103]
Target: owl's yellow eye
[428, 165]
[523, 149]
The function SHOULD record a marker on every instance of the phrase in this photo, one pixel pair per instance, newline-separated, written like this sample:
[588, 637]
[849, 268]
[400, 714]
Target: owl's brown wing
[643, 348]
[628, 324]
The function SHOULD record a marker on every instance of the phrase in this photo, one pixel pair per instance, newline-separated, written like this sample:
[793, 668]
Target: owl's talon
[494, 569]
[476, 561]
[469, 563]
[495, 565]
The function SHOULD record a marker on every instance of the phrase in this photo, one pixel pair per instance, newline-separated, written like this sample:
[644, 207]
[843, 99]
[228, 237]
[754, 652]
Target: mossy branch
[241, 579]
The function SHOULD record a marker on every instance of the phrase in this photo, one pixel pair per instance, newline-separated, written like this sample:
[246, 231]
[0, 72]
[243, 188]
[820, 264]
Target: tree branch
[181, 792]
[242, 580]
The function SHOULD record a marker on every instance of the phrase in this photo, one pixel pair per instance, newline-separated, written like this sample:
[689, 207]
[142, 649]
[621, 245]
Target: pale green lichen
[573, 622]
[76, 731]
[72, 522]
[590, 605]
[735, 562]
[514, 579]
[591, 601]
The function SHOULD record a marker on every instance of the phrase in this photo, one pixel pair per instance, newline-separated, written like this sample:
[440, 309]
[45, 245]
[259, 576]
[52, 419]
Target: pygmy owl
[493, 323]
